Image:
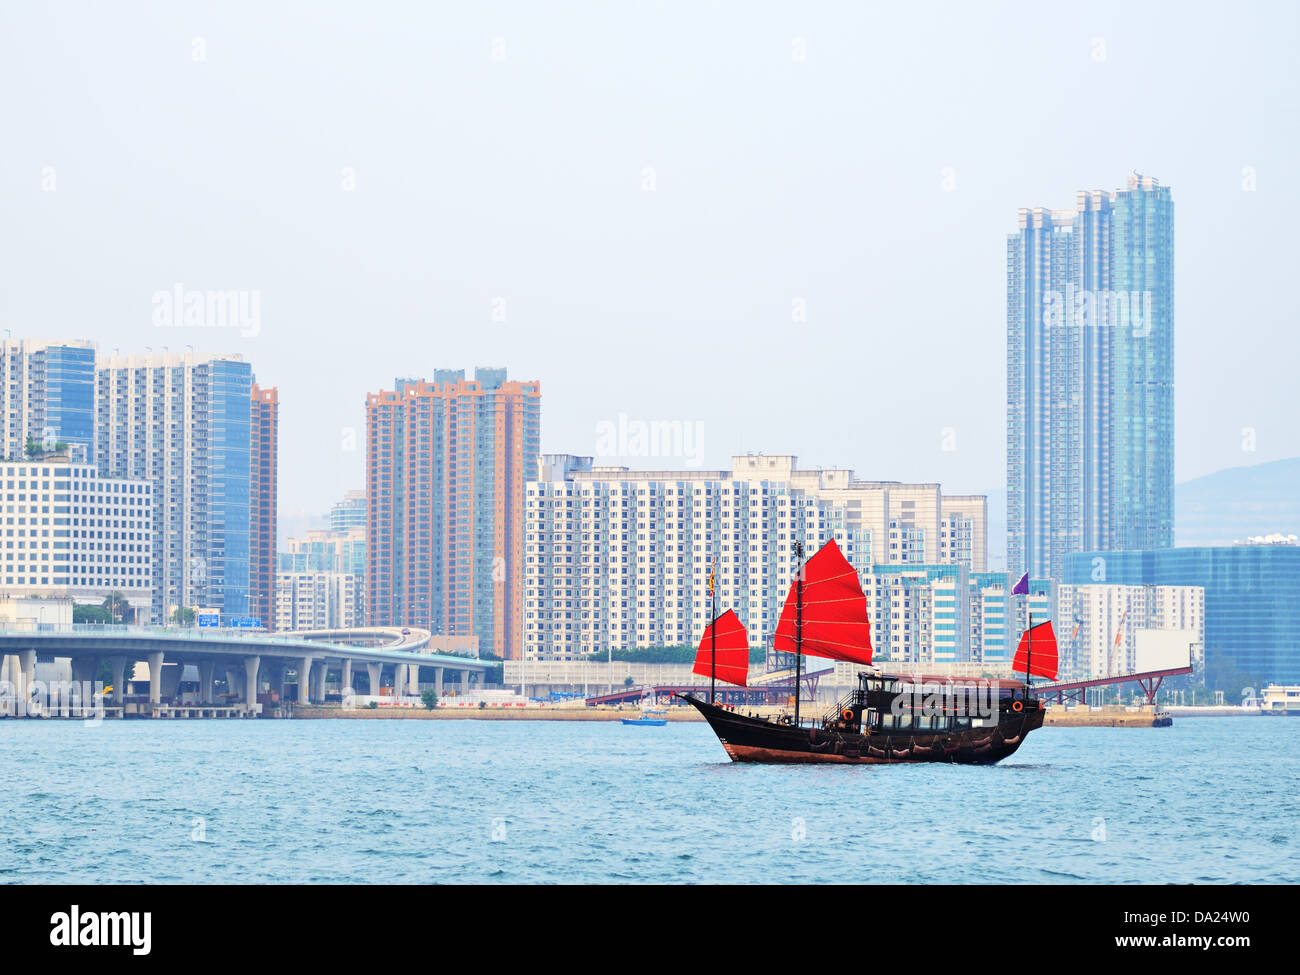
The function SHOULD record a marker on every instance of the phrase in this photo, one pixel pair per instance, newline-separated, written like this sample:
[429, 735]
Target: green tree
[32, 448]
[647, 655]
[118, 609]
[429, 698]
[1223, 674]
[183, 615]
[91, 614]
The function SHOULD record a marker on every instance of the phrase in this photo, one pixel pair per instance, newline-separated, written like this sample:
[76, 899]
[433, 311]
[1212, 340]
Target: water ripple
[552, 802]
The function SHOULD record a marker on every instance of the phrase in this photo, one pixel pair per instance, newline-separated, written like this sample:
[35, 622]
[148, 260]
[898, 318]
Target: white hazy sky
[150, 144]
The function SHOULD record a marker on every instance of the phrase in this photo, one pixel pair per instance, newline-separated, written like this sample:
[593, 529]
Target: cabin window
[904, 721]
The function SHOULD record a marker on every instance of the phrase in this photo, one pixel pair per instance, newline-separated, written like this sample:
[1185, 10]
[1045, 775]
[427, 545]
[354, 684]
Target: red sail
[835, 623]
[1043, 658]
[732, 652]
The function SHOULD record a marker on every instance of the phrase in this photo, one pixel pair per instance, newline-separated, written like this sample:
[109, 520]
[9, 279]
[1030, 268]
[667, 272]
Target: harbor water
[326, 801]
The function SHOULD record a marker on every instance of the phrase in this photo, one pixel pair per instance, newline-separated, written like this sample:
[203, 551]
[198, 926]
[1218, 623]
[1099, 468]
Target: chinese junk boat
[888, 718]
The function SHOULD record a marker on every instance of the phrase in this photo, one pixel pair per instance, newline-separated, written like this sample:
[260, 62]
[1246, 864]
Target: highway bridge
[248, 660]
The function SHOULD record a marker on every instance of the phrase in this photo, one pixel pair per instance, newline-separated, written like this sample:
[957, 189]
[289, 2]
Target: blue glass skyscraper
[181, 420]
[1249, 597]
[47, 395]
[1090, 396]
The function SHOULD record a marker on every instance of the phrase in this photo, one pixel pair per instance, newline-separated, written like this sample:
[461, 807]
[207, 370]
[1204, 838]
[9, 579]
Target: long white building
[621, 558]
[68, 532]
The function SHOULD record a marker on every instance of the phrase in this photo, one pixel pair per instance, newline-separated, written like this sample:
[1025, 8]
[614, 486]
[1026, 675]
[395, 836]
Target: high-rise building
[446, 466]
[47, 395]
[181, 422]
[315, 601]
[349, 513]
[263, 471]
[989, 622]
[919, 614]
[327, 551]
[619, 558]
[1090, 377]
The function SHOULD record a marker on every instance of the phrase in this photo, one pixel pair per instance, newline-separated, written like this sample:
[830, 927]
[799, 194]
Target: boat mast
[713, 634]
[1029, 653]
[798, 626]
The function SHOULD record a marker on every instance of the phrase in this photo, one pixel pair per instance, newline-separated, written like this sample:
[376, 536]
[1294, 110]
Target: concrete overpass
[248, 660]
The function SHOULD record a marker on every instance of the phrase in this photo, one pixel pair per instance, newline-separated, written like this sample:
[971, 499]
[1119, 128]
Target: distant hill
[1231, 504]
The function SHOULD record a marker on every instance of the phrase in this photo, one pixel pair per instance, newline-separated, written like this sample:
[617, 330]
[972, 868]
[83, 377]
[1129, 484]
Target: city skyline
[710, 250]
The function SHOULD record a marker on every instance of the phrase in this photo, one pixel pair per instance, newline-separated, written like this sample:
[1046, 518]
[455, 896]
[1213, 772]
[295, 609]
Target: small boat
[650, 716]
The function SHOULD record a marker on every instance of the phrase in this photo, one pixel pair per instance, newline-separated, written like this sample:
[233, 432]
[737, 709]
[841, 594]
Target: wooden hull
[748, 739]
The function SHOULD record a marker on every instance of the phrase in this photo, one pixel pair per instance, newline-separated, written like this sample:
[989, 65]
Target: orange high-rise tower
[447, 462]
[263, 467]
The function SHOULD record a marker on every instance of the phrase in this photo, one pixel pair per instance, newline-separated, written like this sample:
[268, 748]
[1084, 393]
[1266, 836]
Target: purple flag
[1021, 588]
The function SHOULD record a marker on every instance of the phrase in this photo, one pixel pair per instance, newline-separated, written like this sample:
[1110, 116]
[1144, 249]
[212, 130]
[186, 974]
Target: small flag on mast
[1021, 588]
[712, 573]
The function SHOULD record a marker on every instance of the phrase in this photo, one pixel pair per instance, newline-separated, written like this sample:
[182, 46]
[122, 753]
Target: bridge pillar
[413, 681]
[464, 682]
[304, 677]
[27, 664]
[399, 680]
[84, 669]
[155, 676]
[376, 672]
[234, 684]
[250, 682]
[26, 678]
[207, 668]
[274, 671]
[320, 671]
[437, 682]
[345, 679]
[119, 680]
[171, 680]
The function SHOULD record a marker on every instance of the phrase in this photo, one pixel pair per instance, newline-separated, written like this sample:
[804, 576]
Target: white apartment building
[316, 600]
[1101, 629]
[621, 558]
[68, 532]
